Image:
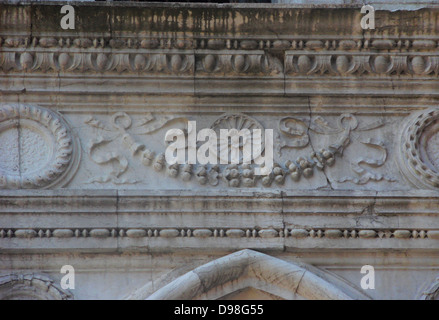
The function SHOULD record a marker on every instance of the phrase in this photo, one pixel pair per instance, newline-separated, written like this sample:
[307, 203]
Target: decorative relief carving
[419, 149]
[365, 174]
[97, 62]
[208, 232]
[240, 63]
[222, 56]
[124, 131]
[239, 122]
[235, 175]
[296, 132]
[308, 63]
[164, 42]
[37, 149]
[347, 125]
[344, 64]
[121, 123]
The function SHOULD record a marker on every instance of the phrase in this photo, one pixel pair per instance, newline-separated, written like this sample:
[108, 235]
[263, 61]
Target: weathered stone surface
[84, 179]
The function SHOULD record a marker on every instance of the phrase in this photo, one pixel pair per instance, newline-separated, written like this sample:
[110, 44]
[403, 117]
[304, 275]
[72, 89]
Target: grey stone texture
[84, 182]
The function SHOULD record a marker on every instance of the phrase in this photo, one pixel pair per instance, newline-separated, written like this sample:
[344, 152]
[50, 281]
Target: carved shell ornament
[37, 149]
[237, 122]
[419, 149]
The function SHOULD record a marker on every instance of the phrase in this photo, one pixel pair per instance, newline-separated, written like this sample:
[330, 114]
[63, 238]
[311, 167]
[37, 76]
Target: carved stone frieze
[348, 64]
[209, 232]
[85, 117]
[123, 129]
[31, 132]
[219, 43]
[144, 63]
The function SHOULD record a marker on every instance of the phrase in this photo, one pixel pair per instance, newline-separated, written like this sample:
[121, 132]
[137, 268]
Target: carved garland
[44, 122]
[234, 175]
[237, 175]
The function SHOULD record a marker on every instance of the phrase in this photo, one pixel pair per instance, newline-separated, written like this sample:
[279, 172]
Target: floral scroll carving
[123, 128]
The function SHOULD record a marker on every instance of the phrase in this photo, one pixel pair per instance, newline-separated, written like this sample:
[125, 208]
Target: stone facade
[84, 181]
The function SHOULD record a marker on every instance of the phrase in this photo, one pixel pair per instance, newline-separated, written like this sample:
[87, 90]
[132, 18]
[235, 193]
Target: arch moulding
[251, 269]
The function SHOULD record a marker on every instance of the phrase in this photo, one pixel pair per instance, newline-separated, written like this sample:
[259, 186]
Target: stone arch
[430, 292]
[31, 286]
[250, 269]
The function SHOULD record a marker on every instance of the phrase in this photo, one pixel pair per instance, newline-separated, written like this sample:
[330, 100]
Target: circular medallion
[36, 147]
[419, 149]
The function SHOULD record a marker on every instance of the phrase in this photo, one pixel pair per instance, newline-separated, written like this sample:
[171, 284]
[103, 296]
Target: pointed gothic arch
[251, 269]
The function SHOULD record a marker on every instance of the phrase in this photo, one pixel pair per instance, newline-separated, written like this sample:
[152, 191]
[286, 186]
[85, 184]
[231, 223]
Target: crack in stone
[300, 280]
[368, 212]
[312, 147]
[283, 221]
[19, 145]
[369, 209]
[117, 220]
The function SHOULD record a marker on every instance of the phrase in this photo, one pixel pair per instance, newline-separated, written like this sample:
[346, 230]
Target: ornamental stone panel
[84, 179]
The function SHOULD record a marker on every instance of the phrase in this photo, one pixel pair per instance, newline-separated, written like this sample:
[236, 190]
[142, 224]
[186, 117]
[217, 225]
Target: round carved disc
[419, 149]
[36, 147]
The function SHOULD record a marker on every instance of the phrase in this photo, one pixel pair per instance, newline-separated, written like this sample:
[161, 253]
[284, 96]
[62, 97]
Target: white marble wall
[83, 181]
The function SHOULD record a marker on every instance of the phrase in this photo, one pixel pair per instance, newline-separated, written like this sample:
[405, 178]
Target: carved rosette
[36, 147]
[419, 149]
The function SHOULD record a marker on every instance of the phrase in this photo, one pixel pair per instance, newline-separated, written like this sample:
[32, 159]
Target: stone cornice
[185, 45]
[232, 19]
[214, 201]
